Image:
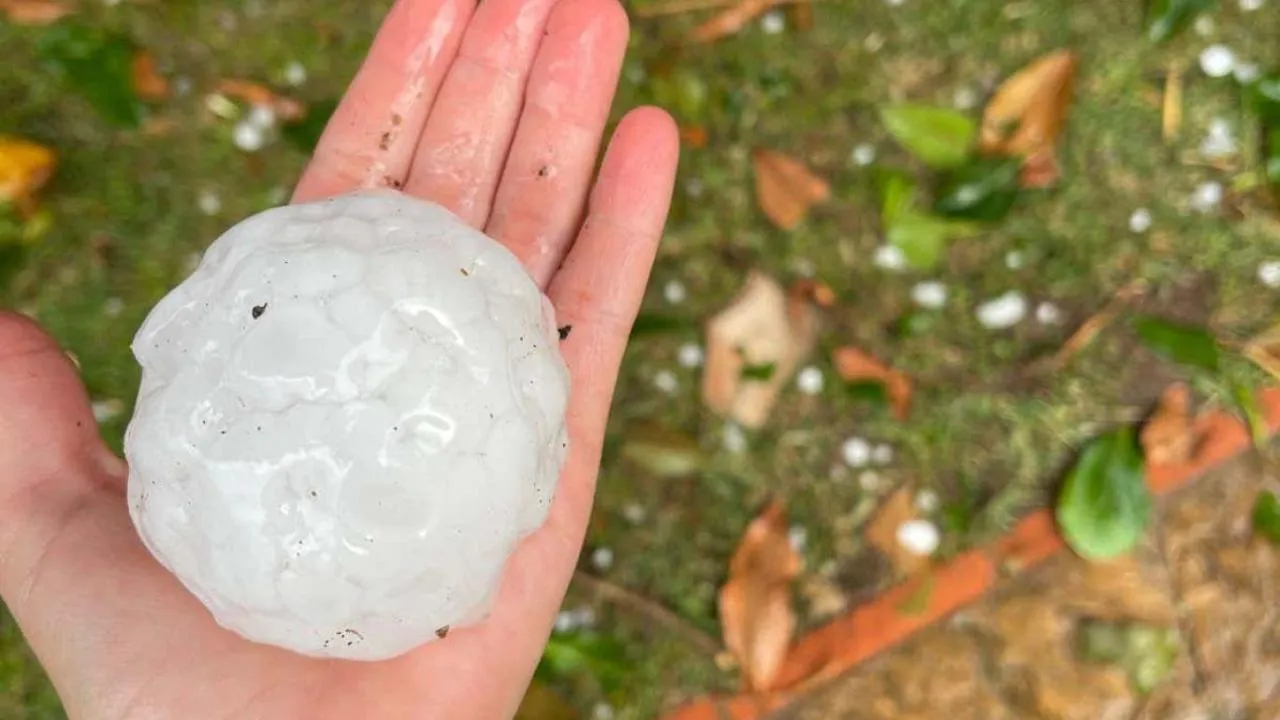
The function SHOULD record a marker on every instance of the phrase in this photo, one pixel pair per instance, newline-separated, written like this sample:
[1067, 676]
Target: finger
[544, 184]
[598, 289]
[464, 144]
[370, 138]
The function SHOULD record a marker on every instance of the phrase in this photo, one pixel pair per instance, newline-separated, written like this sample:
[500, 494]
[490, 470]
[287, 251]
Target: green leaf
[305, 133]
[1271, 144]
[1266, 516]
[868, 391]
[661, 452]
[985, 189]
[939, 137]
[1184, 344]
[1247, 401]
[1105, 505]
[1264, 98]
[1167, 18]
[761, 372]
[98, 65]
[657, 324]
[923, 238]
[897, 195]
[583, 653]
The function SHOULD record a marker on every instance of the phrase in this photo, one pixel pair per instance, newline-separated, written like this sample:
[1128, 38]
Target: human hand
[496, 112]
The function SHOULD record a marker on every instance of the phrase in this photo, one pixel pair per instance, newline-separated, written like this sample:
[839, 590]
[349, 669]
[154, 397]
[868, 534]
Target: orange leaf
[1028, 112]
[755, 603]
[1168, 436]
[786, 189]
[857, 366]
[763, 327]
[24, 168]
[882, 532]
[35, 12]
[730, 21]
[148, 83]
[248, 91]
[695, 136]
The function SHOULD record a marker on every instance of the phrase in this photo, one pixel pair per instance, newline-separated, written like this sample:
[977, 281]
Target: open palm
[496, 112]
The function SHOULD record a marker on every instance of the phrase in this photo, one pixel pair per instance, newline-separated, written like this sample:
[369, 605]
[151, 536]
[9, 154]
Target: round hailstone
[890, 257]
[1269, 273]
[1003, 312]
[674, 292]
[249, 136]
[919, 537]
[689, 355]
[1217, 61]
[810, 380]
[856, 452]
[773, 23]
[350, 414]
[931, 294]
[1140, 221]
[864, 154]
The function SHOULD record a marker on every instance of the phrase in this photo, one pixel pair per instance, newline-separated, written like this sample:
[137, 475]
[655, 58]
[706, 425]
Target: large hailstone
[350, 414]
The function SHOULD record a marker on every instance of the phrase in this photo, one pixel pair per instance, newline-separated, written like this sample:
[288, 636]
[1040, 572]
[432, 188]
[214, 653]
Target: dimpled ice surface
[350, 414]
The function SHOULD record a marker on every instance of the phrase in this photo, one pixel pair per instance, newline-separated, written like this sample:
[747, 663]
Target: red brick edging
[880, 624]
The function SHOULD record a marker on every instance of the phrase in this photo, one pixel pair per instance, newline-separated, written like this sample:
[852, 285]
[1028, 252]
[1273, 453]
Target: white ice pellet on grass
[209, 202]
[674, 292]
[856, 452]
[1217, 61]
[248, 136]
[965, 98]
[1269, 273]
[603, 711]
[797, 537]
[1251, 5]
[734, 439]
[870, 481]
[1207, 196]
[350, 415]
[634, 513]
[264, 116]
[1003, 312]
[773, 23]
[863, 154]
[919, 537]
[1204, 26]
[602, 558]
[1219, 141]
[809, 380]
[666, 381]
[295, 73]
[1015, 259]
[926, 501]
[882, 454]
[1140, 220]
[929, 294]
[689, 355]
[1048, 314]
[890, 257]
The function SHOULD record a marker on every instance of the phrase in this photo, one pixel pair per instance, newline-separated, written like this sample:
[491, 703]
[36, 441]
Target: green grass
[982, 432]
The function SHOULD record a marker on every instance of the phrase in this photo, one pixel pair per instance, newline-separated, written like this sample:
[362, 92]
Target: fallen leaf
[729, 21]
[818, 292]
[761, 328]
[941, 138]
[1167, 18]
[25, 167]
[1104, 506]
[1264, 351]
[1184, 344]
[35, 12]
[882, 532]
[1027, 114]
[695, 136]
[662, 452]
[984, 189]
[785, 188]
[148, 83]
[1171, 107]
[285, 108]
[1168, 436]
[755, 603]
[1266, 516]
[855, 366]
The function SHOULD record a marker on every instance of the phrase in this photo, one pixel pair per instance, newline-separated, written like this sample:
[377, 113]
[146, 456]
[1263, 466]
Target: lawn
[990, 430]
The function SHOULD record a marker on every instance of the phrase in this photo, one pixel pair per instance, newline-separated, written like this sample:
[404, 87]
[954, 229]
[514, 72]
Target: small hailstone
[870, 481]
[864, 154]
[570, 620]
[1207, 196]
[295, 73]
[965, 98]
[113, 307]
[602, 558]
[797, 536]
[209, 202]
[106, 410]
[856, 452]
[1203, 26]
[926, 501]
[634, 513]
[264, 116]
[882, 454]
[890, 257]
[1048, 314]
[1015, 259]
[734, 439]
[919, 537]
[689, 355]
[1004, 311]
[675, 292]
[810, 380]
[1251, 5]
[248, 136]
[340, 438]
[1140, 220]
[1217, 61]
[930, 294]
[1269, 273]
[873, 42]
[773, 23]
[666, 381]
[1246, 73]
[1219, 142]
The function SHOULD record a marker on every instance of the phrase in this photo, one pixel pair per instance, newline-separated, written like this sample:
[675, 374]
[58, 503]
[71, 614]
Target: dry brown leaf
[786, 189]
[882, 531]
[1171, 107]
[285, 108]
[1168, 436]
[695, 136]
[761, 328]
[1027, 113]
[148, 83]
[729, 21]
[35, 12]
[1264, 351]
[853, 365]
[755, 603]
[24, 168]
[815, 290]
